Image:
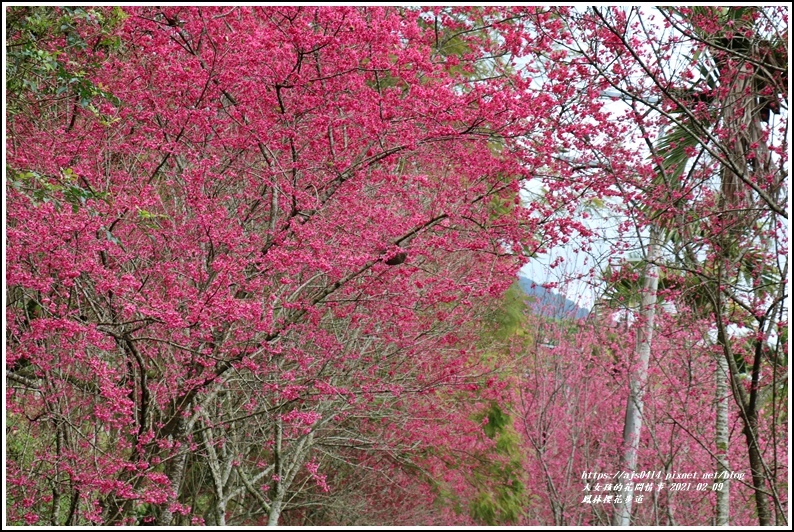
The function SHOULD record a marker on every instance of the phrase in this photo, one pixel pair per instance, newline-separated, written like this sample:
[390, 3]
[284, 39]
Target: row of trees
[715, 213]
[257, 260]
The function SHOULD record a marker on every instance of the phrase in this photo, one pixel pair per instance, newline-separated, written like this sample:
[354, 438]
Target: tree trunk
[275, 513]
[633, 424]
[742, 115]
[757, 469]
[175, 472]
[723, 467]
[749, 410]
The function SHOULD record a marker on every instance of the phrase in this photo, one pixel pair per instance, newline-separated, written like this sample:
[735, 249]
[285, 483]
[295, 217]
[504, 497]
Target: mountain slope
[550, 304]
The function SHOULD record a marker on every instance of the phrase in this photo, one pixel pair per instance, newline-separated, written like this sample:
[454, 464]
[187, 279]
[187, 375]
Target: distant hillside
[547, 303]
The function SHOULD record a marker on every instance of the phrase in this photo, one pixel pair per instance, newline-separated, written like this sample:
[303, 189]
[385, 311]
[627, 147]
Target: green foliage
[498, 421]
[508, 319]
[502, 496]
[20, 449]
[454, 34]
[626, 291]
[384, 79]
[41, 189]
[675, 147]
[501, 206]
[20, 446]
[39, 40]
[498, 473]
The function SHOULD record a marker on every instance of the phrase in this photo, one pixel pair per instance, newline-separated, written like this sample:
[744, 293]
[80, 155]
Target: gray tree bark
[723, 466]
[633, 424]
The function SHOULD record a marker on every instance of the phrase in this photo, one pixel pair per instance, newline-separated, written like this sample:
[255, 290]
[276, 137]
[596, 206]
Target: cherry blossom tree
[259, 259]
[715, 78]
[244, 235]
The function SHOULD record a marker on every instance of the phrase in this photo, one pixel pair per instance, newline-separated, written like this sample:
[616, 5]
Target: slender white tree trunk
[639, 377]
[723, 499]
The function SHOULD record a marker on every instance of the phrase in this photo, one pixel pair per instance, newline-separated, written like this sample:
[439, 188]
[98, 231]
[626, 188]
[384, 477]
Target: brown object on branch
[397, 258]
